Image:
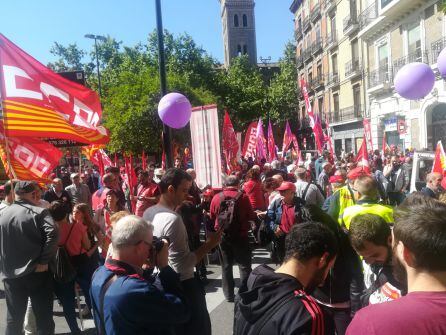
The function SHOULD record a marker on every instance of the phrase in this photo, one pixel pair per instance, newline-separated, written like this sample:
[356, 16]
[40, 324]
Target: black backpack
[227, 218]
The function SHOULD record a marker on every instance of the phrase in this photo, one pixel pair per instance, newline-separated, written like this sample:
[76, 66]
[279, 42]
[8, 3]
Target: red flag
[249, 147]
[144, 160]
[230, 144]
[329, 141]
[296, 149]
[362, 158]
[287, 139]
[315, 124]
[368, 132]
[260, 142]
[40, 103]
[440, 159]
[30, 159]
[272, 154]
[130, 172]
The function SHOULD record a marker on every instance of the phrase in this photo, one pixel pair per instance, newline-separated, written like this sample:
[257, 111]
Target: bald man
[433, 185]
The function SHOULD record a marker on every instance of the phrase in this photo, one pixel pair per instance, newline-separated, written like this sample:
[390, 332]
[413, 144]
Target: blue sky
[36, 25]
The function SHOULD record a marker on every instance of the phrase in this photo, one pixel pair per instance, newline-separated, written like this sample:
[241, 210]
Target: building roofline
[295, 5]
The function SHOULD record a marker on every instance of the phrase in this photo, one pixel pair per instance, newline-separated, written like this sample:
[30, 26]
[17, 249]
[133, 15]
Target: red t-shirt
[74, 243]
[149, 191]
[416, 313]
[254, 191]
[287, 219]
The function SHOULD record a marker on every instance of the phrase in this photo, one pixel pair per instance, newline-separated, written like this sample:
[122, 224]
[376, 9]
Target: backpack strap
[305, 191]
[105, 287]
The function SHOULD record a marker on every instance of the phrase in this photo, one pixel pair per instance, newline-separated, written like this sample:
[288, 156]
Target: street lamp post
[103, 39]
[163, 82]
[265, 62]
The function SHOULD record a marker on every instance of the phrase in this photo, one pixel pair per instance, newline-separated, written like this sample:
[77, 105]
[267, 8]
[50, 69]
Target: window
[235, 20]
[414, 44]
[334, 63]
[245, 20]
[383, 57]
[320, 103]
[357, 100]
[239, 50]
[319, 70]
[333, 26]
[310, 78]
[336, 104]
[355, 50]
[245, 49]
[384, 3]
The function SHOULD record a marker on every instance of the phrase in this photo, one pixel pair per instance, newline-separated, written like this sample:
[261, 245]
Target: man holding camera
[174, 187]
[128, 300]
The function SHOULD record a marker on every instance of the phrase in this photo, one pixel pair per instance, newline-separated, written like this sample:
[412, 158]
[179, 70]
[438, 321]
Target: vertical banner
[230, 144]
[206, 146]
[249, 148]
[260, 142]
[368, 133]
[272, 154]
[315, 125]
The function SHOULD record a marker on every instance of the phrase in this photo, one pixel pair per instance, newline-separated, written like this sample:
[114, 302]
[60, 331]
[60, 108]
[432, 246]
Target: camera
[158, 243]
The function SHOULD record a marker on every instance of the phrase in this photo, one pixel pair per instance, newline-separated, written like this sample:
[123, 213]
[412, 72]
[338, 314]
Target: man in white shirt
[307, 191]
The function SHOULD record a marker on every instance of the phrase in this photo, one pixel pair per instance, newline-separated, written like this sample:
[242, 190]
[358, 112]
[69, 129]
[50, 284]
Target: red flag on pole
[315, 125]
[40, 103]
[287, 139]
[362, 158]
[249, 146]
[230, 144]
[260, 142]
[144, 160]
[440, 159]
[272, 155]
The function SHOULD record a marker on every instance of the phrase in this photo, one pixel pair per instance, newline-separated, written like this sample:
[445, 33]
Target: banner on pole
[368, 133]
[206, 146]
[249, 148]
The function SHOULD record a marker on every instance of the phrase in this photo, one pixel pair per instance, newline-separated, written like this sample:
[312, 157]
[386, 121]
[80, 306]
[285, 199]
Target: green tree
[284, 89]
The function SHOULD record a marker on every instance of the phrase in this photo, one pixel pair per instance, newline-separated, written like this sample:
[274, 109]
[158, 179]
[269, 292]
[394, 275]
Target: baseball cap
[336, 179]
[24, 186]
[286, 185]
[358, 172]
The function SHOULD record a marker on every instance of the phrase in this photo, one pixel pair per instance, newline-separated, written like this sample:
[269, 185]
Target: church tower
[239, 30]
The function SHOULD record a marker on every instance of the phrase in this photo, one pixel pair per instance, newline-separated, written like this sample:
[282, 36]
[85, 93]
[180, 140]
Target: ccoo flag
[39, 103]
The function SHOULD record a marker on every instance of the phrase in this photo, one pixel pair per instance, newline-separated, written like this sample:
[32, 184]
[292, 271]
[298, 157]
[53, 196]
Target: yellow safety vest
[386, 212]
[345, 200]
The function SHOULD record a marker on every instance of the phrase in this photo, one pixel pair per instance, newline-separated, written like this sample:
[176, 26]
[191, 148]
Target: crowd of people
[355, 252]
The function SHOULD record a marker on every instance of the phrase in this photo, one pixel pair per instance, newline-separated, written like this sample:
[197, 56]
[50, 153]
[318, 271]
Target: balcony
[315, 12]
[436, 48]
[329, 5]
[333, 79]
[332, 40]
[298, 34]
[368, 15]
[317, 82]
[316, 47]
[353, 69]
[387, 14]
[380, 80]
[352, 113]
[299, 61]
[307, 54]
[306, 24]
[417, 56]
[351, 25]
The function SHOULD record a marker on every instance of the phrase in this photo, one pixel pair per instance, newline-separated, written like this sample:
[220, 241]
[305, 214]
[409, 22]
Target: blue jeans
[65, 293]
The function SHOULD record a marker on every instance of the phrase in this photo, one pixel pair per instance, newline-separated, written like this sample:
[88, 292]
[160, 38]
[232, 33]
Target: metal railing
[352, 67]
[329, 4]
[307, 54]
[316, 46]
[417, 56]
[306, 23]
[299, 61]
[333, 78]
[349, 113]
[315, 12]
[349, 23]
[332, 38]
[436, 48]
[298, 34]
[317, 81]
[368, 15]
[382, 75]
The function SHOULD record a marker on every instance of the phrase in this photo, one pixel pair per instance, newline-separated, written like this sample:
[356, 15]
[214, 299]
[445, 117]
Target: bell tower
[239, 30]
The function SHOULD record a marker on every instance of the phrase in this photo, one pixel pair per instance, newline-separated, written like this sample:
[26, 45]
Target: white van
[422, 165]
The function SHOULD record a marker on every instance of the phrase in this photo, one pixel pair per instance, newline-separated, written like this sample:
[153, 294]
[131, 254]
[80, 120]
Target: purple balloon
[174, 110]
[414, 81]
[441, 63]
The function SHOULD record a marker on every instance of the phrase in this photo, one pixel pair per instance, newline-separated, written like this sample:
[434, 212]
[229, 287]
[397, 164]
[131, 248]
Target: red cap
[358, 172]
[209, 192]
[336, 179]
[286, 185]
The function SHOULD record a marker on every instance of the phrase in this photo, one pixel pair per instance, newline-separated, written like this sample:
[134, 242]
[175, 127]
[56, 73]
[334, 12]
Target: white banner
[206, 146]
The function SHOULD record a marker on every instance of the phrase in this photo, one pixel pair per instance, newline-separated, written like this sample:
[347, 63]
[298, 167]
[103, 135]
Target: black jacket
[275, 303]
[51, 196]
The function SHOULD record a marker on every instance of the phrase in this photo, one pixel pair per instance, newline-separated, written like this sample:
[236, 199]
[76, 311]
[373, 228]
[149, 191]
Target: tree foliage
[130, 86]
